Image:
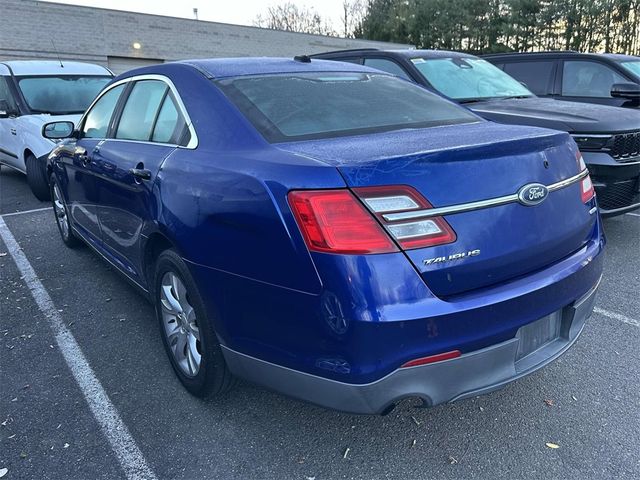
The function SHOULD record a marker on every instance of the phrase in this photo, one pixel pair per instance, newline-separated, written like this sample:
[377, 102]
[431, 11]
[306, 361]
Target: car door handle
[81, 153]
[141, 173]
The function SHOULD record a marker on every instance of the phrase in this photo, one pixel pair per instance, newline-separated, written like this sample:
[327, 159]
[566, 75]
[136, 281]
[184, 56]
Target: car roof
[233, 67]
[405, 53]
[50, 67]
[618, 57]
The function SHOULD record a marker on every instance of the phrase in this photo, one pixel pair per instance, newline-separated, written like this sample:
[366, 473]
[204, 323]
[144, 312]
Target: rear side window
[97, 121]
[536, 75]
[170, 125]
[588, 79]
[388, 66]
[140, 111]
[288, 107]
[6, 96]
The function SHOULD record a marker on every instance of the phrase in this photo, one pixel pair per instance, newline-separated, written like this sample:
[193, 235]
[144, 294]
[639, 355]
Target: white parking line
[26, 211]
[129, 455]
[617, 316]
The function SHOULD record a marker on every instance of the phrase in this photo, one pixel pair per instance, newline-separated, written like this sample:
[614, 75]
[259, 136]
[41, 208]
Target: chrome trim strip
[193, 142]
[467, 207]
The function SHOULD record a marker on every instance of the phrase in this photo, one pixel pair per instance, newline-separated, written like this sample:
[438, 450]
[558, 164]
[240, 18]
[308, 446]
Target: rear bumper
[472, 374]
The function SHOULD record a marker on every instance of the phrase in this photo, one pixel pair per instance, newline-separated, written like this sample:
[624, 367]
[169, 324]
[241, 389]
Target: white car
[36, 92]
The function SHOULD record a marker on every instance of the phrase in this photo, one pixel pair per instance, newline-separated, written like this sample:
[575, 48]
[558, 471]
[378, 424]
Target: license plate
[537, 334]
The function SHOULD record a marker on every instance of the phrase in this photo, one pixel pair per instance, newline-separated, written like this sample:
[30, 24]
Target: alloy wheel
[180, 324]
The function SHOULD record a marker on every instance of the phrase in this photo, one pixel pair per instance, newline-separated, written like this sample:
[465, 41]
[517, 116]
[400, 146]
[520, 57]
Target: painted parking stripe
[129, 455]
[617, 316]
[25, 212]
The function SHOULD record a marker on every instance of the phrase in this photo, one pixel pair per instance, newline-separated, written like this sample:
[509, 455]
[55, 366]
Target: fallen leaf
[23, 455]
[552, 445]
[549, 403]
[3, 471]
[346, 452]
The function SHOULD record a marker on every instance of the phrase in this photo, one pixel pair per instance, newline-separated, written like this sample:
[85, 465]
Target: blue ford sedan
[331, 232]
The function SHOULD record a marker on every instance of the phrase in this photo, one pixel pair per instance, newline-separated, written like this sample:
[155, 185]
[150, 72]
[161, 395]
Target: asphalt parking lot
[587, 403]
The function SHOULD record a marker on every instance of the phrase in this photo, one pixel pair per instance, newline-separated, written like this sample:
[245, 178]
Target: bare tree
[291, 18]
[353, 12]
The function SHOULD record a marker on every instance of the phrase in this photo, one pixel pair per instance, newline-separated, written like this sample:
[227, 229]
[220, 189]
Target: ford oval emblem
[532, 194]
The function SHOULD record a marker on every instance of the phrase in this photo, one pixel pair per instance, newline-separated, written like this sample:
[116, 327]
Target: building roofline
[87, 7]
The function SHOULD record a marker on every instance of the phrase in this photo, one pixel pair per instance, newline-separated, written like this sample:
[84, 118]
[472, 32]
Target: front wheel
[37, 178]
[187, 333]
[61, 213]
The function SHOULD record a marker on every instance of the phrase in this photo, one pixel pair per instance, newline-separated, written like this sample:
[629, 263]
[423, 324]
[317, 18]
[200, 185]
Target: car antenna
[55, 49]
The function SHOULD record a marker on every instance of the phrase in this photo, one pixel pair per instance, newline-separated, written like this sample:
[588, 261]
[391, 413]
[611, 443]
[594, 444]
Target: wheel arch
[156, 243]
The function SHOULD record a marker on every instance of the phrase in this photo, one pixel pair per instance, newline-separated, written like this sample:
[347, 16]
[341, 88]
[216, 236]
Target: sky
[241, 12]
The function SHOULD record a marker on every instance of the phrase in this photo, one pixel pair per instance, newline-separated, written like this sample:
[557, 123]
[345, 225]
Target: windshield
[319, 105]
[469, 78]
[61, 94]
[632, 66]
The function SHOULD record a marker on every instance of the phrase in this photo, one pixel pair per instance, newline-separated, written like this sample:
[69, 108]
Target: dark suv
[608, 137]
[605, 78]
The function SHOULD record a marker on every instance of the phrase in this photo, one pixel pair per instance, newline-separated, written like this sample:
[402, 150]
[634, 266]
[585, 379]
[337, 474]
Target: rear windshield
[288, 107]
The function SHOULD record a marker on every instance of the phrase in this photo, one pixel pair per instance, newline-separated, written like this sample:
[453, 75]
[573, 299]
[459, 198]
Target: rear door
[151, 126]
[9, 145]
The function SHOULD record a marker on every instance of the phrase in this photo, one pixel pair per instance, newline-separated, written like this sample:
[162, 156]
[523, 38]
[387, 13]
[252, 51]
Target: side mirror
[5, 110]
[58, 130]
[630, 91]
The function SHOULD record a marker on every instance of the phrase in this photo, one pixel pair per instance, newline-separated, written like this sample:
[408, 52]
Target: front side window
[61, 95]
[388, 66]
[298, 106]
[466, 78]
[588, 79]
[97, 121]
[632, 66]
[140, 111]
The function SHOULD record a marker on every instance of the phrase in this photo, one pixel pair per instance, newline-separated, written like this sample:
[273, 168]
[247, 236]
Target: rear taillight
[335, 221]
[414, 233]
[586, 186]
[587, 191]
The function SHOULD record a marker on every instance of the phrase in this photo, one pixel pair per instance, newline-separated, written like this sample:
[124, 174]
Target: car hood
[570, 117]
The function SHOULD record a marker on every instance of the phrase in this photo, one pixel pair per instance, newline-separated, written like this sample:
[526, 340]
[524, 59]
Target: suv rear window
[287, 107]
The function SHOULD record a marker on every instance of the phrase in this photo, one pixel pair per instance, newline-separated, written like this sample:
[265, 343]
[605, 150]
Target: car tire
[37, 178]
[187, 331]
[61, 213]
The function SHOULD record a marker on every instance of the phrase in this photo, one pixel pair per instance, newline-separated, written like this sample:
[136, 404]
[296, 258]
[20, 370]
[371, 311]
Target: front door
[9, 149]
[82, 168]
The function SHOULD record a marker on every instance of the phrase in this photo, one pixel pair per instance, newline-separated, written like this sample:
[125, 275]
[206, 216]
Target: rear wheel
[62, 215]
[37, 178]
[187, 333]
